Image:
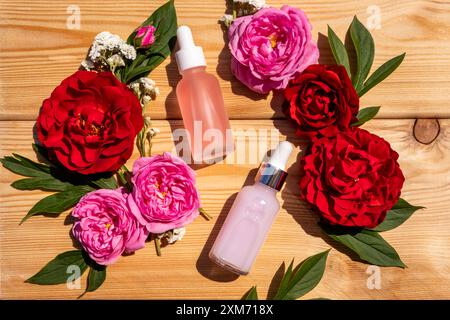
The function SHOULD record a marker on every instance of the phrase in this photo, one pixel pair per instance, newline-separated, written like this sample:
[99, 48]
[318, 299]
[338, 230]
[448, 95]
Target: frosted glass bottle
[251, 216]
[201, 103]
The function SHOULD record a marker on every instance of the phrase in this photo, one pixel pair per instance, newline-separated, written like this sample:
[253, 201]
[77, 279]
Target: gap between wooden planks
[38, 51]
[184, 270]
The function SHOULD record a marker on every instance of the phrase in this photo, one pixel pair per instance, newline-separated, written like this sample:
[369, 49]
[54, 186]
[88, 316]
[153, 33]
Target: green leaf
[299, 281]
[251, 294]
[365, 51]
[96, 278]
[399, 213]
[368, 245]
[32, 164]
[41, 175]
[164, 19]
[69, 178]
[43, 183]
[56, 271]
[140, 58]
[381, 73]
[305, 277]
[338, 49]
[147, 65]
[145, 68]
[284, 283]
[365, 115]
[105, 183]
[26, 168]
[165, 22]
[58, 202]
[62, 174]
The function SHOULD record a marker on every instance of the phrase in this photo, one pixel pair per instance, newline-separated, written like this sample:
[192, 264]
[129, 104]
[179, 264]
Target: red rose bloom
[352, 179]
[89, 122]
[322, 101]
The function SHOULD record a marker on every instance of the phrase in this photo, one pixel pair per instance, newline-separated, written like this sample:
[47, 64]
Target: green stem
[123, 173]
[142, 135]
[204, 214]
[158, 246]
[140, 142]
[150, 144]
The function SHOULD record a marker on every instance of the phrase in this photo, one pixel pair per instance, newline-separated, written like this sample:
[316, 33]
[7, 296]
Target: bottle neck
[193, 70]
[271, 176]
[265, 188]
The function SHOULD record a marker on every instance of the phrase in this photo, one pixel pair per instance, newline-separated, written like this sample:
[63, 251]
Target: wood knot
[426, 130]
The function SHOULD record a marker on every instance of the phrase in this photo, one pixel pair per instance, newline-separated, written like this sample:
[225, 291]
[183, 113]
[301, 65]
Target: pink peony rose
[105, 227]
[271, 47]
[145, 36]
[164, 196]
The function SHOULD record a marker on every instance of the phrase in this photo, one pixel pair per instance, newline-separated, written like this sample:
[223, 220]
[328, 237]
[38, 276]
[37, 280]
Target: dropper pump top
[272, 173]
[184, 37]
[280, 155]
[189, 56]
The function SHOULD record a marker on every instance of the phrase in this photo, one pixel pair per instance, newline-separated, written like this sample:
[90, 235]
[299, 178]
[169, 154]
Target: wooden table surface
[37, 51]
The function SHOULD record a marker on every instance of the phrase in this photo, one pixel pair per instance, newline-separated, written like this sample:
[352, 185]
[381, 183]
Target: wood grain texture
[184, 270]
[37, 51]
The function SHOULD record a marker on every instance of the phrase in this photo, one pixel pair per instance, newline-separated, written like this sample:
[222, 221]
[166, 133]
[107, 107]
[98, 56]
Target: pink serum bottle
[251, 215]
[201, 103]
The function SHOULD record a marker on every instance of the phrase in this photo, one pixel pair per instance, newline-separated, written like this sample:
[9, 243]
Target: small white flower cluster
[227, 19]
[242, 8]
[152, 132]
[108, 51]
[258, 4]
[145, 136]
[145, 89]
[174, 235]
[106, 41]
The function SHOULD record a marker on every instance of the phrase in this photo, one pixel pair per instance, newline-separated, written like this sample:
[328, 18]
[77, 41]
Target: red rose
[89, 122]
[322, 101]
[352, 179]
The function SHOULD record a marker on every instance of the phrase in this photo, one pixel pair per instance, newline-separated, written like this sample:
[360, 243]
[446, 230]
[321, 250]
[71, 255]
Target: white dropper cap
[280, 155]
[189, 55]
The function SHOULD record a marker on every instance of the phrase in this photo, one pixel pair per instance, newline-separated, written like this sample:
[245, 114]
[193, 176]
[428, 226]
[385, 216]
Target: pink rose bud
[105, 227]
[145, 36]
[164, 196]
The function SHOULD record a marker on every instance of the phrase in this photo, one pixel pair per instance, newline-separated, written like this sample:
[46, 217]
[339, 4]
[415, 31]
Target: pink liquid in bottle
[201, 103]
[251, 216]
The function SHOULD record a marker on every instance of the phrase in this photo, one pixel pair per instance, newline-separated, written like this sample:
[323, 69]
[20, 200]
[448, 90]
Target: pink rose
[105, 227]
[271, 47]
[145, 36]
[164, 196]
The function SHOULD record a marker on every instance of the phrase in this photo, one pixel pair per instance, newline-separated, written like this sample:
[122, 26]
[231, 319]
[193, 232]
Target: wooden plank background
[37, 51]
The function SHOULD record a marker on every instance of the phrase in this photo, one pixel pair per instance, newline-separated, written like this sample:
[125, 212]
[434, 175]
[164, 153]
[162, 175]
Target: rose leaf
[338, 49]
[381, 73]
[297, 281]
[365, 115]
[368, 245]
[41, 176]
[251, 294]
[303, 278]
[58, 202]
[164, 19]
[365, 52]
[96, 278]
[24, 167]
[56, 271]
[399, 213]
